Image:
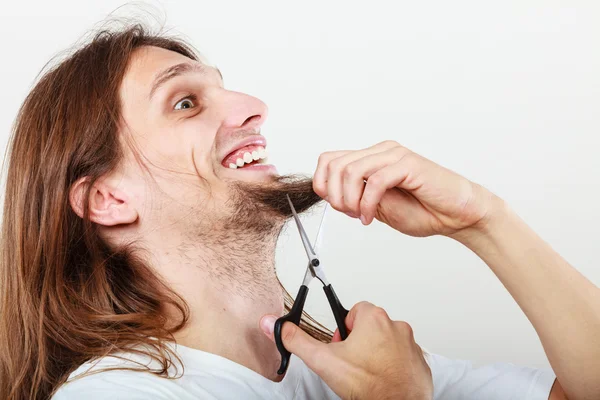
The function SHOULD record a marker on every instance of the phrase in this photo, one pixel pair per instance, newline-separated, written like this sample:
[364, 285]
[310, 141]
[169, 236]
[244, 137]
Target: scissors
[314, 270]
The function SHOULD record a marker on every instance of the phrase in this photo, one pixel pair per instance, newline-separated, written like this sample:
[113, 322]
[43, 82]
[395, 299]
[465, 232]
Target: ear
[108, 205]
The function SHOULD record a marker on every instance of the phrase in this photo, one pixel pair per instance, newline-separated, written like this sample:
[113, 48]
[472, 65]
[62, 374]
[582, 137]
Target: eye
[186, 103]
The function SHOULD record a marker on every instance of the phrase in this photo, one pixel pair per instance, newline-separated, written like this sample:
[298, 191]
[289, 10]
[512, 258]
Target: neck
[228, 283]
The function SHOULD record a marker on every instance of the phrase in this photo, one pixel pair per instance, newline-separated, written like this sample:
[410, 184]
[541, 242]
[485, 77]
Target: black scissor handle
[339, 312]
[294, 317]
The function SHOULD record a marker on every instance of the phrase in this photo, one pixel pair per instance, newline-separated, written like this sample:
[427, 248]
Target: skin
[179, 209]
[420, 198]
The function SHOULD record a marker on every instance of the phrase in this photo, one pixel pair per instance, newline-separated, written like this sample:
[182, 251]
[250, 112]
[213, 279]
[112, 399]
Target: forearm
[562, 305]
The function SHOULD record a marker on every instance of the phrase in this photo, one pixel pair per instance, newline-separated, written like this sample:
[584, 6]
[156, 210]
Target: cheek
[180, 156]
[200, 148]
[185, 147]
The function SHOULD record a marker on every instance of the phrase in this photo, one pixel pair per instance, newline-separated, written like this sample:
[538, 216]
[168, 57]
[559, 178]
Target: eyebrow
[178, 70]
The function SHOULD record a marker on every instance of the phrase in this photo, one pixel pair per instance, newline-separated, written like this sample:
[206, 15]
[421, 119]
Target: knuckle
[400, 152]
[349, 171]
[380, 314]
[363, 305]
[324, 157]
[390, 143]
[375, 180]
[334, 165]
[405, 328]
[359, 308]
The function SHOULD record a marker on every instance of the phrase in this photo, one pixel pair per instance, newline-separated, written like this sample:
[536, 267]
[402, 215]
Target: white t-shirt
[209, 376]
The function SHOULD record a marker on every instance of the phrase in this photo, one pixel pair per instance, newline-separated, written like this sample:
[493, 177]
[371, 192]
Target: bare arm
[562, 305]
[420, 198]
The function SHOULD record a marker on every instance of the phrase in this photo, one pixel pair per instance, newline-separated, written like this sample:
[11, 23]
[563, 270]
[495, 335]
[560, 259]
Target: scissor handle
[294, 317]
[339, 312]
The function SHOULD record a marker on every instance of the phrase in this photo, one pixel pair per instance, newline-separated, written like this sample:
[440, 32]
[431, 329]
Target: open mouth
[246, 156]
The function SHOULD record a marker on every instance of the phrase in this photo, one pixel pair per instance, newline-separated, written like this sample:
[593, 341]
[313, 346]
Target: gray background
[506, 94]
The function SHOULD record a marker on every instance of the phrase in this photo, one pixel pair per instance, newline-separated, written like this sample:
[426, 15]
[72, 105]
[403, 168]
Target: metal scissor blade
[310, 252]
[319, 238]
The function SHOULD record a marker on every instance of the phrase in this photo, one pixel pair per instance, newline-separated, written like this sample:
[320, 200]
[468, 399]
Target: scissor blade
[310, 252]
[319, 238]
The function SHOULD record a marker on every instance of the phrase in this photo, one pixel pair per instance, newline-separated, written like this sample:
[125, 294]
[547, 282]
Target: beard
[263, 208]
[242, 242]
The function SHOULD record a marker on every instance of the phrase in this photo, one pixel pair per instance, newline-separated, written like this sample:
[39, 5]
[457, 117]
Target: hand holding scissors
[379, 359]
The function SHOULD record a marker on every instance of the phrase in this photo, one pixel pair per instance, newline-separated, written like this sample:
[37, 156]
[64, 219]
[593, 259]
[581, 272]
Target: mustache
[273, 194]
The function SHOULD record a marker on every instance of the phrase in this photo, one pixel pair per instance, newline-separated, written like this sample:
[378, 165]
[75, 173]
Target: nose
[243, 111]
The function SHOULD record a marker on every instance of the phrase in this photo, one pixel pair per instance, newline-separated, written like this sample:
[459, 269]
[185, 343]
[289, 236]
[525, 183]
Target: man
[146, 218]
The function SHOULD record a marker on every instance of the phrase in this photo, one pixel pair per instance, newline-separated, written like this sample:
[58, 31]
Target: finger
[405, 330]
[404, 212]
[360, 169]
[267, 325]
[323, 359]
[336, 336]
[394, 175]
[359, 308]
[320, 175]
[294, 339]
[314, 353]
[334, 185]
[335, 174]
[372, 320]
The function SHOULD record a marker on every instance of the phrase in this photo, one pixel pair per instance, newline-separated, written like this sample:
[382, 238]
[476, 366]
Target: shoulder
[459, 379]
[115, 385]
[117, 377]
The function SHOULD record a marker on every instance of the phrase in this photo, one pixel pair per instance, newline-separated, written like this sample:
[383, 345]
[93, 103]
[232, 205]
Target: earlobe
[108, 205]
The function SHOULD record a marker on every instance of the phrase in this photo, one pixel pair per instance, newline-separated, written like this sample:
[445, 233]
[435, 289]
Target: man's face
[194, 136]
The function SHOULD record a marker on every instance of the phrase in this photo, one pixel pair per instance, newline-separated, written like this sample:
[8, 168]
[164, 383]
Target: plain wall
[507, 94]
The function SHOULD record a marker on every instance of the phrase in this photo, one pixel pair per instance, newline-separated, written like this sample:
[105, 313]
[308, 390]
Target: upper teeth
[247, 158]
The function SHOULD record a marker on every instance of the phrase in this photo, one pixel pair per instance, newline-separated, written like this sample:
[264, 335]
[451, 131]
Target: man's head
[127, 144]
[192, 185]
[192, 157]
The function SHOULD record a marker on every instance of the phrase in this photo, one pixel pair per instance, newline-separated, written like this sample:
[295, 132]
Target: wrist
[496, 215]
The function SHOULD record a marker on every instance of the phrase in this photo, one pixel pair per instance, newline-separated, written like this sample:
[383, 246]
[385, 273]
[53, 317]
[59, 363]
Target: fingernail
[363, 219]
[326, 199]
[267, 324]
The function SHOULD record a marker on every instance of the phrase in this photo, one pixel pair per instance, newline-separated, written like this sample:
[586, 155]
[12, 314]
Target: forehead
[146, 63]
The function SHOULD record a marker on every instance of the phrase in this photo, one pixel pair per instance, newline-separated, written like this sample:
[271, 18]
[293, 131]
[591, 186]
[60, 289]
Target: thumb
[295, 340]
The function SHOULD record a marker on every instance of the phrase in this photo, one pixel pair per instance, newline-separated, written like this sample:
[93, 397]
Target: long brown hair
[66, 296]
